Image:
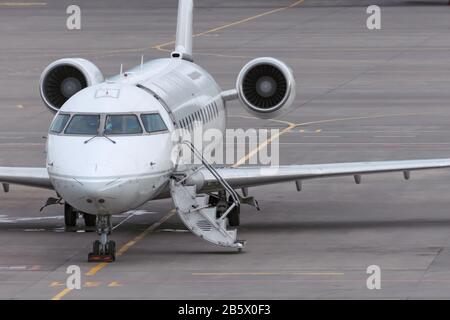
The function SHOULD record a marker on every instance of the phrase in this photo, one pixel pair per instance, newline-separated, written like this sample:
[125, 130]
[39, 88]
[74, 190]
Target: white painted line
[5, 219]
[23, 4]
[368, 143]
[12, 144]
[173, 230]
[13, 267]
[395, 136]
[320, 136]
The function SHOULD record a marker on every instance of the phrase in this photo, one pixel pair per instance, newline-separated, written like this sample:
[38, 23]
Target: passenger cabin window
[208, 109]
[83, 124]
[153, 122]
[215, 108]
[122, 124]
[59, 123]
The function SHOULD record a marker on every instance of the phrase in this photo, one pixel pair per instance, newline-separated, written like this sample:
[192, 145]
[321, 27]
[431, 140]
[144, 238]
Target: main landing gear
[71, 217]
[103, 250]
[219, 201]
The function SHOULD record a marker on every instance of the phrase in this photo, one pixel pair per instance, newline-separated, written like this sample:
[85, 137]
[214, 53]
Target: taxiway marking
[114, 284]
[161, 46]
[268, 274]
[61, 294]
[361, 118]
[265, 143]
[295, 125]
[395, 136]
[22, 4]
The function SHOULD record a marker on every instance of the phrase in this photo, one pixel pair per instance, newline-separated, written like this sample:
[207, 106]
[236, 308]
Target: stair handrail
[214, 172]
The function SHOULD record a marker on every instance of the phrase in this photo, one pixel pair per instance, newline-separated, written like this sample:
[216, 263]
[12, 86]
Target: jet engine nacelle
[266, 87]
[65, 77]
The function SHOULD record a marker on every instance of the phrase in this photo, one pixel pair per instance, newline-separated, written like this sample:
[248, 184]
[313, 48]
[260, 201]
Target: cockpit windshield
[122, 124]
[59, 123]
[153, 122]
[108, 124]
[83, 124]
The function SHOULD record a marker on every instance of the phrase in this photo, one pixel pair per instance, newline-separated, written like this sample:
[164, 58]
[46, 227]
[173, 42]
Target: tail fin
[183, 44]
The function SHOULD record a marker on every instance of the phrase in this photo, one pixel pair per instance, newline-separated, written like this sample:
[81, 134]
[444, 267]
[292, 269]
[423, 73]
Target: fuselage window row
[203, 115]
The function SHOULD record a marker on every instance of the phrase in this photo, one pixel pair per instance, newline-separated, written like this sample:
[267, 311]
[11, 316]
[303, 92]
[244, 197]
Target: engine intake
[64, 78]
[266, 87]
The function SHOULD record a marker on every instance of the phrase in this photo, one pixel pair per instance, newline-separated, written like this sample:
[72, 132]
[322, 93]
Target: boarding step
[200, 217]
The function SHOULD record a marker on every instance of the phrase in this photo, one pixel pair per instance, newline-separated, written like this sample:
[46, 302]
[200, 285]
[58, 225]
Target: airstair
[203, 217]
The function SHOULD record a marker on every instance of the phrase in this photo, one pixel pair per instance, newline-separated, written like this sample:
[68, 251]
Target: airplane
[109, 146]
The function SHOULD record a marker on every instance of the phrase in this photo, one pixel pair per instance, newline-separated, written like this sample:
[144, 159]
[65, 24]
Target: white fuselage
[113, 174]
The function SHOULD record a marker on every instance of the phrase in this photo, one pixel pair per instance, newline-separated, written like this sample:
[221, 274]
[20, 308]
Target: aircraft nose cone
[99, 197]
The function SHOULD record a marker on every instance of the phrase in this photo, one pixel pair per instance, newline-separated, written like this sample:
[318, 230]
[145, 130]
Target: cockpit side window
[153, 122]
[59, 123]
[122, 124]
[83, 124]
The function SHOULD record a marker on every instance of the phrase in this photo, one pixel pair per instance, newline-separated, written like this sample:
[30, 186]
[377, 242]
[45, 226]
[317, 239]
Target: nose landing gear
[103, 250]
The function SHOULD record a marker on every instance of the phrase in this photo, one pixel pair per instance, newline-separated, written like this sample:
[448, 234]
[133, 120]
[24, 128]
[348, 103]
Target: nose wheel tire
[100, 253]
[111, 249]
[70, 215]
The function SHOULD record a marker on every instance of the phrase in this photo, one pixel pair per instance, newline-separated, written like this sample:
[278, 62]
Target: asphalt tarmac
[361, 95]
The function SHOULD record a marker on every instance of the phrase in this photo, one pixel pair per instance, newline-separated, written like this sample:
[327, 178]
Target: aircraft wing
[32, 177]
[254, 176]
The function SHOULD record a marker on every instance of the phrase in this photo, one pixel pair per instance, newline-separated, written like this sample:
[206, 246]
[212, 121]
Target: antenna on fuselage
[183, 43]
[121, 69]
[142, 61]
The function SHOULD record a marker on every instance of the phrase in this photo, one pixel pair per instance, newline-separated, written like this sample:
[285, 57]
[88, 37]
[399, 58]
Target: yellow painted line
[22, 4]
[96, 268]
[360, 118]
[90, 284]
[232, 24]
[294, 125]
[114, 284]
[60, 295]
[264, 144]
[56, 284]
[250, 18]
[268, 274]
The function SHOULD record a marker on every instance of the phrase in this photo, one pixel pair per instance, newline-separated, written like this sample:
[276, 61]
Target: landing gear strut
[89, 219]
[70, 215]
[234, 215]
[222, 205]
[103, 250]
